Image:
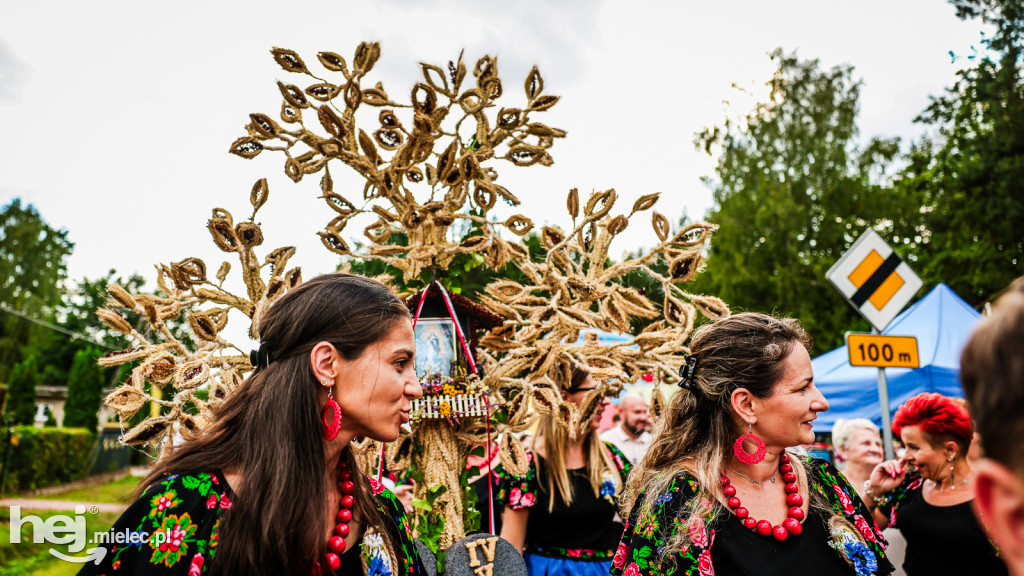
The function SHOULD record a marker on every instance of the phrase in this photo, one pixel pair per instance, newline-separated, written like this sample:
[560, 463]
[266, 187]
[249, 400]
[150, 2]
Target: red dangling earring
[749, 458]
[332, 425]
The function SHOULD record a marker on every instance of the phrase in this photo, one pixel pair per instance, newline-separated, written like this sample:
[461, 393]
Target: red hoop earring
[749, 458]
[332, 425]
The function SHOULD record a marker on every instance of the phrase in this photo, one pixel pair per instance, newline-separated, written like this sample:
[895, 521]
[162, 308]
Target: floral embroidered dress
[587, 531]
[932, 532]
[179, 516]
[847, 543]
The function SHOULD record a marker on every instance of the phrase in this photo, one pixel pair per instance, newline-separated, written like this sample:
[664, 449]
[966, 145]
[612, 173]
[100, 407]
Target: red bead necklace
[336, 543]
[790, 525]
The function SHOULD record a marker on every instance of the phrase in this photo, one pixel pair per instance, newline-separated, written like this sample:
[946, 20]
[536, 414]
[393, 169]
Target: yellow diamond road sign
[873, 277]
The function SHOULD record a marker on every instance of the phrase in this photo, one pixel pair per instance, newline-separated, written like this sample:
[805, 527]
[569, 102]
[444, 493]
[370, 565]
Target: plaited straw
[428, 162]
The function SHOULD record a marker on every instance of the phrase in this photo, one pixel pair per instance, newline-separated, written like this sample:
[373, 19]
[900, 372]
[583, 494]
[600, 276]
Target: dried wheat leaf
[534, 84]
[693, 235]
[333, 62]
[599, 204]
[148, 431]
[711, 307]
[114, 320]
[685, 267]
[293, 95]
[246, 147]
[543, 103]
[644, 202]
[333, 242]
[121, 296]
[513, 456]
[519, 225]
[617, 225]
[223, 234]
[289, 60]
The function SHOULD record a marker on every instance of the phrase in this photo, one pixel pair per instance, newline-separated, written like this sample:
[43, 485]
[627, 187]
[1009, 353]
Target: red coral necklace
[336, 543]
[790, 525]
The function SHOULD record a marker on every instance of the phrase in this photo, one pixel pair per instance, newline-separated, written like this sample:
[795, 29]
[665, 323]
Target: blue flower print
[863, 560]
[377, 567]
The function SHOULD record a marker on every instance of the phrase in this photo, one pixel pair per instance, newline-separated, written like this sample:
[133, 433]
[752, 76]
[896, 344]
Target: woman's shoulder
[170, 528]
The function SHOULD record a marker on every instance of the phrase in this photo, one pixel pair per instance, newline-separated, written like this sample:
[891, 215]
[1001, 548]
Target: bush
[42, 457]
[85, 385]
[21, 392]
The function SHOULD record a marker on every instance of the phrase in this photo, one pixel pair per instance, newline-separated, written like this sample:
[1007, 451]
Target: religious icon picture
[435, 347]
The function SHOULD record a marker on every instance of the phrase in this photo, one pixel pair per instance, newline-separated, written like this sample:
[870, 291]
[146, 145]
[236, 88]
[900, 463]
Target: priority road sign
[882, 351]
[873, 277]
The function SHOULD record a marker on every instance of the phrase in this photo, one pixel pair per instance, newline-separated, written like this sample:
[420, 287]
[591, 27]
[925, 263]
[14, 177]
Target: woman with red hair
[927, 494]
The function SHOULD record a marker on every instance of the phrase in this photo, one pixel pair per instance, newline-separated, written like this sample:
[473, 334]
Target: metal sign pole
[883, 401]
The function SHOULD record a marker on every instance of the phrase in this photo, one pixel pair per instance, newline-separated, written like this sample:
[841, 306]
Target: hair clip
[687, 373]
[260, 358]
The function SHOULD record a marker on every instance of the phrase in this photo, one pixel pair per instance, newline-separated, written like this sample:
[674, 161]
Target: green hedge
[41, 457]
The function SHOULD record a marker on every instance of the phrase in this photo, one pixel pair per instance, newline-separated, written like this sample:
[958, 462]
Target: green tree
[792, 191]
[969, 174]
[77, 315]
[85, 387]
[21, 392]
[32, 274]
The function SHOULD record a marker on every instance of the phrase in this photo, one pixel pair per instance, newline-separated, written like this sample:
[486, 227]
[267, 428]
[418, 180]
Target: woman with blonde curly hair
[717, 493]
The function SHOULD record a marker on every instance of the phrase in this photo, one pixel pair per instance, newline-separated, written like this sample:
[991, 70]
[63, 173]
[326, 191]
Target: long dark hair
[269, 430]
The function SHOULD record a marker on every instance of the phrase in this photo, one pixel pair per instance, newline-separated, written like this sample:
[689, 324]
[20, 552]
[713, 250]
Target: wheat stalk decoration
[427, 164]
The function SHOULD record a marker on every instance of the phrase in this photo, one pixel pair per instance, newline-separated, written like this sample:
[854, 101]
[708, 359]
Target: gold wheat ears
[427, 164]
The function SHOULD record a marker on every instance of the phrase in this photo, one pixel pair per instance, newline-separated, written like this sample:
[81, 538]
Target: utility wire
[54, 327]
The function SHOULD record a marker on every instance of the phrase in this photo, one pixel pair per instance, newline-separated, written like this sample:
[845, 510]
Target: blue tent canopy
[942, 323]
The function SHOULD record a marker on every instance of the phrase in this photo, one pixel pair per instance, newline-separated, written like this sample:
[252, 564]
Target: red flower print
[704, 566]
[215, 481]
[865, 530]
[375, 486]
[574, 553]
[211, 502]
[225, 504]
[174, 538]
[196, 569]
[631, 570]
[116, 564]
[844, 499]
[698, 532]
[514, 496]
[527, 499]
[620, 557]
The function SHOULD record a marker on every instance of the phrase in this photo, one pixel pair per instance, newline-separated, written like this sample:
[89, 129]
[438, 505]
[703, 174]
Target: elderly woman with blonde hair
[858, 447]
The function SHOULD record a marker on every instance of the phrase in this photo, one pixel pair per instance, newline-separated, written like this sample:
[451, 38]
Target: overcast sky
[116, 116]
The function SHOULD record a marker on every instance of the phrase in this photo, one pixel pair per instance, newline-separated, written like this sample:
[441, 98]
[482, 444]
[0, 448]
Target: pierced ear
[322, 360]
[742, 402]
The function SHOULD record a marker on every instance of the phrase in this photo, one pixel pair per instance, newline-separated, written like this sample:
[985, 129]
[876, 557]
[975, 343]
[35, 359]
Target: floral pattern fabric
[895, 499]
[186, 510]
[649, 529]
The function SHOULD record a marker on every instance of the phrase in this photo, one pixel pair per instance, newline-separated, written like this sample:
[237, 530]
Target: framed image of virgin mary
[435, 347]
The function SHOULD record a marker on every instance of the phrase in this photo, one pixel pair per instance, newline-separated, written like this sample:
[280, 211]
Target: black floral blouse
[853, 533]
[173, 529]
[519, 492]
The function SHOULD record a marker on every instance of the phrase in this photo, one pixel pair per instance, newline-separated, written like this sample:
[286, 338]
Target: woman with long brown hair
[271, 485]
[717, 492]
[562, 514]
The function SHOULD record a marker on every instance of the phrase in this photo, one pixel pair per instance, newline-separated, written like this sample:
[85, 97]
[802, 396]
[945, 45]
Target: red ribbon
[472, 366]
